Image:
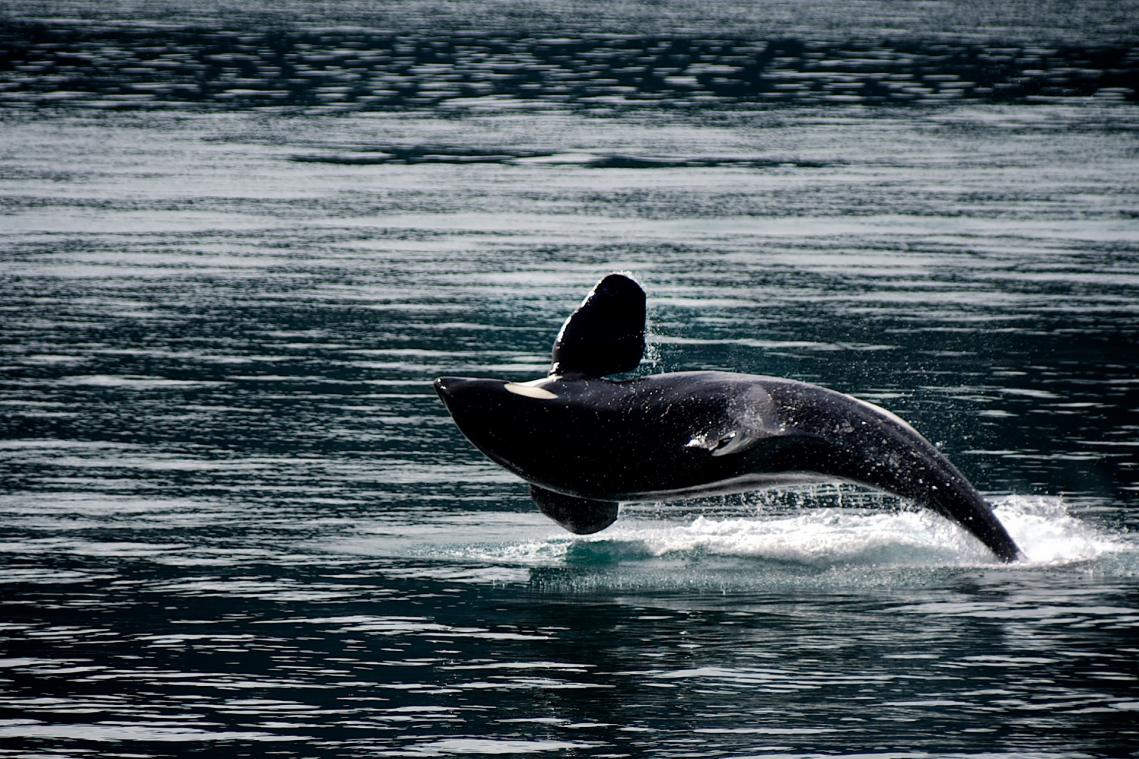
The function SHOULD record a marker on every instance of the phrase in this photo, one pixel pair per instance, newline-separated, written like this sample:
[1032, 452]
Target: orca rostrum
[585, 443]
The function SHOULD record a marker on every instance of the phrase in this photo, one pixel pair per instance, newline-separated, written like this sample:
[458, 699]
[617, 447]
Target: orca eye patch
[530, 391]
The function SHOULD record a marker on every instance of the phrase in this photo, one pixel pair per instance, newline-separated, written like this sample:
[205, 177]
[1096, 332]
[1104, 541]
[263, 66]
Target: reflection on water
[234, 518]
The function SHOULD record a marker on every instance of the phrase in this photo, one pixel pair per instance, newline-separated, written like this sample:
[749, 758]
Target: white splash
[1048, 533]
[1044, 528]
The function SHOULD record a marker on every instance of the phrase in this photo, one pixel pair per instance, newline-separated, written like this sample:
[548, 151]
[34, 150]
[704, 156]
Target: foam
[827, 538]
[1049, 534]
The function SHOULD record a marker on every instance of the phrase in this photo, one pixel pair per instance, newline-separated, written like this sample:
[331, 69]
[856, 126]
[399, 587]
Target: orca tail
[983, 523]
[867, 444]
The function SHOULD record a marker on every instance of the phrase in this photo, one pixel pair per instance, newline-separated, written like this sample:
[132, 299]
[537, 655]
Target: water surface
[236, 250]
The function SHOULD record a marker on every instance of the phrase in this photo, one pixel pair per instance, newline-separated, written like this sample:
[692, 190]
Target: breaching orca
[585, 443]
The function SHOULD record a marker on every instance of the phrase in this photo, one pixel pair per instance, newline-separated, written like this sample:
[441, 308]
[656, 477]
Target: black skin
[596, 442]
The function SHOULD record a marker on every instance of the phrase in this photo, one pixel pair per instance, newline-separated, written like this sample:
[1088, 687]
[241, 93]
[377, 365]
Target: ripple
[132, 731]
[134, 382]
[109, 66]
[488, 747]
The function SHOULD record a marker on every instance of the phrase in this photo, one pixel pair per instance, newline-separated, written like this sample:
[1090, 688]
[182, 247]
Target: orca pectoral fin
[727, 443]
[606, 334]
[735, 442]
[582, 516]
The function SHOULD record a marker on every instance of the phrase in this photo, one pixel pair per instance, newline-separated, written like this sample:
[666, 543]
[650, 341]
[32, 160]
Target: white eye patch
[530, 391]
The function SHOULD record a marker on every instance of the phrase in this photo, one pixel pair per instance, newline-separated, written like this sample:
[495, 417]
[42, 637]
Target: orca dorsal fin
[606, 334]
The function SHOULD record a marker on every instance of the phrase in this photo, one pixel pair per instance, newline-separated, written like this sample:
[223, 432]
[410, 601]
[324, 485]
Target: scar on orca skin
[585, 443]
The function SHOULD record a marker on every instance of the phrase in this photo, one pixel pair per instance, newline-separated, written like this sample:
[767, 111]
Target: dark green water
[237, 245]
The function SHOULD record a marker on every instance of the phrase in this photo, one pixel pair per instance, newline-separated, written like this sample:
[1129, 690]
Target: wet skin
[691, 434]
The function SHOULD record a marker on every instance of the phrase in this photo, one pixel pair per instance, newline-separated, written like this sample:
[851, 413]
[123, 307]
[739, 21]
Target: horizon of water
[237, 245]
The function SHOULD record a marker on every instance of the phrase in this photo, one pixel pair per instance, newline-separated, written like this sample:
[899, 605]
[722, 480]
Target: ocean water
[237, 244]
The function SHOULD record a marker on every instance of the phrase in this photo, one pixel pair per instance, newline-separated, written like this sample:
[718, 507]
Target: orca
[585, 443]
